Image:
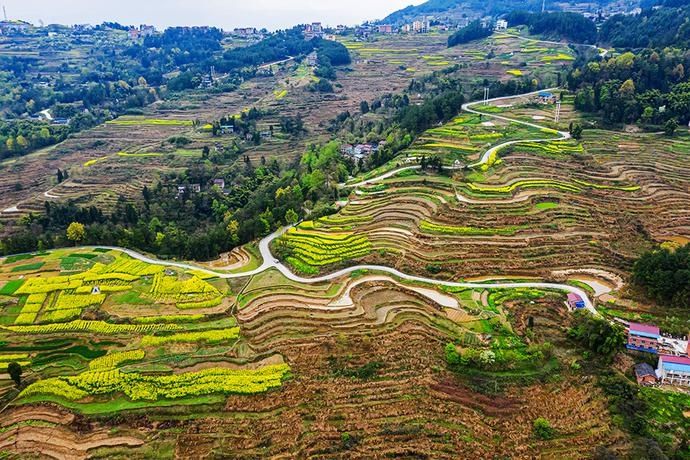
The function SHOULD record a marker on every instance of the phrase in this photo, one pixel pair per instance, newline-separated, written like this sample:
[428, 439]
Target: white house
[501, 24]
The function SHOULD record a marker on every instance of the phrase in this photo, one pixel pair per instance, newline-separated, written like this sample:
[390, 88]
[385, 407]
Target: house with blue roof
[674, 370]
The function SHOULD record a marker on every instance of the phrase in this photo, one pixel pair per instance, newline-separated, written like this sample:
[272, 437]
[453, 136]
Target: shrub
[542, 429]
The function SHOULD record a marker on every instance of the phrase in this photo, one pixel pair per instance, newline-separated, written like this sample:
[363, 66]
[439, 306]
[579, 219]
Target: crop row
[131, 267]
[145, 387]
[523, 184]
[212, 336]
[322, 248]
[168, 319]
[199, 304]
[114, 360]
[432, 227]
[45, 285]
[193, 291]
[96, 327]
[33, 305]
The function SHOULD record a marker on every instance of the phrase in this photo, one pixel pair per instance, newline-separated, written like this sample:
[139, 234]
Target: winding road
[270, 262]
[486, 156]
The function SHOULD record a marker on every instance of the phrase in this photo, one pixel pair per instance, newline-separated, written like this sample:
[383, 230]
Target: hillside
[456, 9]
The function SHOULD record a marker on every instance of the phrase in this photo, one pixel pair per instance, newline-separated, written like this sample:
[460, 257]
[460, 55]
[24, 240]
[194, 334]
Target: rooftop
[643, 370]
[644, 328]
[676, 360]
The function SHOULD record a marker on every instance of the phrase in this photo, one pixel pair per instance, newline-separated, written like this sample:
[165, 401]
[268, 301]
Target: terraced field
[532, 209]
[308, 347]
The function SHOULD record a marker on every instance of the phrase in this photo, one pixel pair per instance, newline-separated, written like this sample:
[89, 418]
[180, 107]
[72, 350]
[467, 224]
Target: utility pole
[543, 5]
[4, 12]
[486, 96]
[558, 112]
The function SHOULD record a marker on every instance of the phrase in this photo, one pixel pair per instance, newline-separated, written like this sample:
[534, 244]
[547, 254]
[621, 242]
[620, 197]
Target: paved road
[563, 135]
[602, 54]
[269, 261]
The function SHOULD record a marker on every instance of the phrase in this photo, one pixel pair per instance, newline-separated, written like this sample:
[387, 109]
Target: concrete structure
[220, 183]
[673, 346]
[674, 370]
[645, 374]
[501, 24]
[643, 337]
[385, 29]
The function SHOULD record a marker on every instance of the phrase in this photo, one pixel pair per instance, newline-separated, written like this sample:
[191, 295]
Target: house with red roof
[643, 337]
[674, 370]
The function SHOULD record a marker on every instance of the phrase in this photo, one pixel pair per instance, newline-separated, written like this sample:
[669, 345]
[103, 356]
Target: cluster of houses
[673, 367]
[14, 27]
[246, 32]
[144, 30]
[360, 151]
[313, 30]
[196, 188]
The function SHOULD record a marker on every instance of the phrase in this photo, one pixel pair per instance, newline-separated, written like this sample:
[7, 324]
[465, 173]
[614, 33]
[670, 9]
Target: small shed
[575, 301]
[96, 290]
[645, 374]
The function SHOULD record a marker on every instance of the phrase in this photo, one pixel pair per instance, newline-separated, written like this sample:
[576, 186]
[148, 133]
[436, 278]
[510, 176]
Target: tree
[291, 217]
[670, 127]
[76, 232]
[364, 107]
[60, 177]
[15, 371]
[576, 130]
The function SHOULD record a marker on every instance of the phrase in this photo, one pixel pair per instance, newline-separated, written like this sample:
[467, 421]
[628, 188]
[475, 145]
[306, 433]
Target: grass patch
[28, 267]
[10, 287]
[545, 206]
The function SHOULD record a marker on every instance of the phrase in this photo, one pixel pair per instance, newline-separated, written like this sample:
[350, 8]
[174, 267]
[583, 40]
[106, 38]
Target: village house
[220, 183]
[546, 97]
[643, 337]
[147, 30]
[575, 301]
[313, 30]
[245, 31]
[347, 149]
[645, 374]
[385, 29]
[196, 188]
[501, 24]
[312, 59]
[674, 370]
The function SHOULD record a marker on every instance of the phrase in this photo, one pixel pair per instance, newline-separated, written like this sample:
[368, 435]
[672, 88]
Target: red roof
[676, 360]
[646, 328]
[572, 297]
